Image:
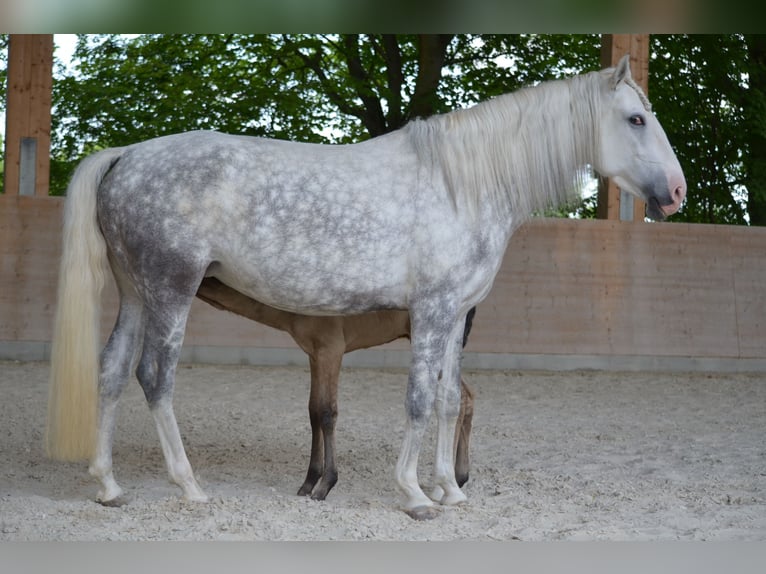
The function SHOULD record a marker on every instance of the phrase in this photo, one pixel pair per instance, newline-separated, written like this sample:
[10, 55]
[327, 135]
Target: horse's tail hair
[73, 395]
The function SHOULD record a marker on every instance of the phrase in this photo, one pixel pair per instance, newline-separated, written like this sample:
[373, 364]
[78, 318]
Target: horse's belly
[310, 284]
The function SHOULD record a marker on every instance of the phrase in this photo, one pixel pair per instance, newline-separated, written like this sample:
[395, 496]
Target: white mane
[524, 151]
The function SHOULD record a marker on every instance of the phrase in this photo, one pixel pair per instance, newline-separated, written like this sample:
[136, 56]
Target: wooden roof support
[612, 202]
[28, 114]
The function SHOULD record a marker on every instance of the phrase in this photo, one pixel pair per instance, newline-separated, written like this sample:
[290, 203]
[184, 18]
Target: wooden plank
[28, 113]
[566, 287]
[596, 287]
[613, 48]
[30, 238]
[29, 251]
[747, 251]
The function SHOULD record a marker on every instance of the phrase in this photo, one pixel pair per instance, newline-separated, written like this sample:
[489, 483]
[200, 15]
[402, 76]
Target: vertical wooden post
[28, 114]
[612, 202]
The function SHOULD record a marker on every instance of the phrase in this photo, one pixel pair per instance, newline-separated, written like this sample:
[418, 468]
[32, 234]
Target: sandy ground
[572, 456]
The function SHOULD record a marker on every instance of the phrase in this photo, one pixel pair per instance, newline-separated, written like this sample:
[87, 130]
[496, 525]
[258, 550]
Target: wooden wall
[28, 113]
[567, 288]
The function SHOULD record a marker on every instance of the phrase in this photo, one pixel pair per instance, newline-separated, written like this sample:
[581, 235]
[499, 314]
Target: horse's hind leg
[323, 413]
[434, 380]
[117, 359]
[316, 461]
[156, 373]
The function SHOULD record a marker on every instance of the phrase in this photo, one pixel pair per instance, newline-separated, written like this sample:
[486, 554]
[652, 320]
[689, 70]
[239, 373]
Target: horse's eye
[637, 120]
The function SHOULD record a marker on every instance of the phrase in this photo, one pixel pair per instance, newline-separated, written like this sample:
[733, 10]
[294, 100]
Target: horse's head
[635, 152]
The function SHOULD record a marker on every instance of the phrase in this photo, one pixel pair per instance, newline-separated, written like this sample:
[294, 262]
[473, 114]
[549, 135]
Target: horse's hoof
[312, 479]
[323, 488]
[422, 512]
[116, 502]
[305, 490]
[315, 492]
[319, 494]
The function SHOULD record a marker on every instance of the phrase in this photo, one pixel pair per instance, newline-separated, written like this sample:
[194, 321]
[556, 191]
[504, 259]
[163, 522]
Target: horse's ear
[621, 71]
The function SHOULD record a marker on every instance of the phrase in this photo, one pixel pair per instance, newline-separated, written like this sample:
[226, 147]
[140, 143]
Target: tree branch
[431, 58]
[395, 78]
[372, 118]
[314, 63]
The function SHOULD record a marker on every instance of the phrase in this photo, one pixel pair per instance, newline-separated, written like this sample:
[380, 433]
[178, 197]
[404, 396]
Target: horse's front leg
[433, 380]
[419, 404]
[462, 439]
[448, 395]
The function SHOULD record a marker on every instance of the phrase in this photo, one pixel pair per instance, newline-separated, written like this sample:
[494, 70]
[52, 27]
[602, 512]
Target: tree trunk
[431, 58]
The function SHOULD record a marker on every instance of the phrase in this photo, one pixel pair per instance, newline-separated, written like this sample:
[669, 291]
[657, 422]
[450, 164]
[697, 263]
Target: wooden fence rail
[569, 294]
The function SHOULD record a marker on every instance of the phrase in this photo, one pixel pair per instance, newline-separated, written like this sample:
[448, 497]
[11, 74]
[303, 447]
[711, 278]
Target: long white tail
[73, 395]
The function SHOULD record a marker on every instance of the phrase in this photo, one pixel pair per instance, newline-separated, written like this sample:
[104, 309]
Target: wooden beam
[28, 114]
[614, 47]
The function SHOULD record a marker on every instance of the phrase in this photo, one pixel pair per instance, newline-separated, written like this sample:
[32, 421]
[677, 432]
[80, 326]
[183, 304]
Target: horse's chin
[654, 210]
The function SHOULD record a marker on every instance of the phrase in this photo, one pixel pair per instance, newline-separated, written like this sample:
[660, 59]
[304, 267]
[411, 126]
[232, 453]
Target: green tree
[3, 93]
[754, 121]
[706, 90]
[696, 86]
[321, 88]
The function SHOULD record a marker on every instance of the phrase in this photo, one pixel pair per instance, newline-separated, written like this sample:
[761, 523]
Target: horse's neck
[525, 151]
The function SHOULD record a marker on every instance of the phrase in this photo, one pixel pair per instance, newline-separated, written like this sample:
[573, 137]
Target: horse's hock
[570, 293]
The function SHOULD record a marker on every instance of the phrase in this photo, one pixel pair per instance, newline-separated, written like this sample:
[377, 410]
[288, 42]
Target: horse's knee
[418, 408]
[328, 417]
[420, 400]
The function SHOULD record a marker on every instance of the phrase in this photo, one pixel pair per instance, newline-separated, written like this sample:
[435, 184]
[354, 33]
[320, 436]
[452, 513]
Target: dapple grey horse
[417, 219]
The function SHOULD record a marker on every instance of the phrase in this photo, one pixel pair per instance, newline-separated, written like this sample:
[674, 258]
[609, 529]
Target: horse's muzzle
[677, 193]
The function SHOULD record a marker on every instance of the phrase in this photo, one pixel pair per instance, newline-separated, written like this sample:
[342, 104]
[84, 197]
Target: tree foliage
[696, 86]
[754, 108]
[708, 91]
[316, 88]
[3, 92]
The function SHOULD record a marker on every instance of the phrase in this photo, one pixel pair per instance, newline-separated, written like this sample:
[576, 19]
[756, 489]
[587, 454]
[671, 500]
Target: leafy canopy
[707, 90]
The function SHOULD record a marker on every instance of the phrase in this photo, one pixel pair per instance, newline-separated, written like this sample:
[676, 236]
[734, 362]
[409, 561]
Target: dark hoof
[324, 486]
[423, 512]
[319, 494]
[317, 491]
[306, 489]
[114, 503]
[461, 479]
[311, 480]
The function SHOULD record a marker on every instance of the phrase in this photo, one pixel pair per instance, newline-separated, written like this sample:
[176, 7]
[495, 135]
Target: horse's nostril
[679, 194]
